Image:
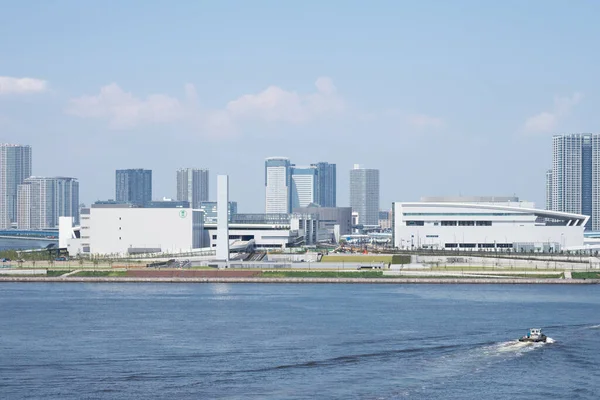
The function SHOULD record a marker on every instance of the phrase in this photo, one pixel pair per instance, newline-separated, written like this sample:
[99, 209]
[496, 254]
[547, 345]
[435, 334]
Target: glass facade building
[210, 211]
[192, 186]
[15, 167]
[278, 176]
[573, 183]
[133, 186]
[41, 201]
[326, 195]
[364, 195]
[303, 186]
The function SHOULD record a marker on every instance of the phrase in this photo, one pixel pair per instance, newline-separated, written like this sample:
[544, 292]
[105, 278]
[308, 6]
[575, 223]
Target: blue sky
[443, 97]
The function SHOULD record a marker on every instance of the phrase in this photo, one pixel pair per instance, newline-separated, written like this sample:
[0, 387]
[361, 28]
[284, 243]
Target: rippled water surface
[259, 341]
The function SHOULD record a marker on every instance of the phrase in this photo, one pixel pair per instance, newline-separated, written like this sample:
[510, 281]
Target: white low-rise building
[480, 226]
[124, 230]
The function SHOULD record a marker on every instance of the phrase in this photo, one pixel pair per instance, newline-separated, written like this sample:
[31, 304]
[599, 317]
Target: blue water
[275, 341]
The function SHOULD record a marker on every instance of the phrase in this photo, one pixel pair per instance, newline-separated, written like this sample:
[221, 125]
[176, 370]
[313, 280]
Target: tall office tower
[549, 189]
[15, 167]
[277, 185]
[364, 194]
[575, 176]
[326, 184]
[41, 201]
[192, 186]
[134, 186]
[304, 186]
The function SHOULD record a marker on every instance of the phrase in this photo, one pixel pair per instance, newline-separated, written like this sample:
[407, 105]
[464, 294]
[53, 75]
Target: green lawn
[322, 274]
[585, 275]
[99, 273]
[57, 272]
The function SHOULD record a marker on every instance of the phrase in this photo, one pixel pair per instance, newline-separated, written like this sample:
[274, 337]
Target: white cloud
[274, 104]
[124, 110]
[547, 121]
[278, 105]
[423, 121]
[10, 85]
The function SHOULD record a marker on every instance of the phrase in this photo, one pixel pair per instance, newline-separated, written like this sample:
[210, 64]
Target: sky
[443, 97]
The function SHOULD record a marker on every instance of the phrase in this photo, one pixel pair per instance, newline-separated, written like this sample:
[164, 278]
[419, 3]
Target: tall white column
[222, 218]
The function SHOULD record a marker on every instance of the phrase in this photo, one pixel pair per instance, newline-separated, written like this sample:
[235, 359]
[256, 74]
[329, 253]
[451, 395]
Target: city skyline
[379, 99]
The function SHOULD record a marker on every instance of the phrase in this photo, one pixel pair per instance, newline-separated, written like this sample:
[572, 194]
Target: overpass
[49, 234]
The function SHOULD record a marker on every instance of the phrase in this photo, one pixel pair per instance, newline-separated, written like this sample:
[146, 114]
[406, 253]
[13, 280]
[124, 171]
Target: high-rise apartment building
[326, 184]
[573, 183]
[364, 195]
[15, 167]
[277, 185]
[192, 186]
[304, 186]
[133, 186]
[41, 201]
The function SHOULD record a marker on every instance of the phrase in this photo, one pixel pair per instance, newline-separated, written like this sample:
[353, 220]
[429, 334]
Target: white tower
[222, 218]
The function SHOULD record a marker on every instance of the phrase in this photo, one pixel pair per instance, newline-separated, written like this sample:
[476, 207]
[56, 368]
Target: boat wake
[515, 346]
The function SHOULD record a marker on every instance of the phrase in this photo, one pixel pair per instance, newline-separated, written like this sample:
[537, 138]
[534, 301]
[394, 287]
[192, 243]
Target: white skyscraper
[303, 186]
[364, 194]
[192, 186]
[15, 167]
[41, 201]
[277, 185]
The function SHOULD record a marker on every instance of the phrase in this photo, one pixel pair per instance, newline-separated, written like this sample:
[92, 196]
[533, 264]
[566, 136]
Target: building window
[466, 223]
[467, 245]
[483, 223]
[214, 237]
[450, 245]
[448, 223]
[415, 223]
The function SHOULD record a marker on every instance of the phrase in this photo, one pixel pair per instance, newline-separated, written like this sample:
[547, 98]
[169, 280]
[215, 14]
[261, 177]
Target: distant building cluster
[301, 209]
[32, 202]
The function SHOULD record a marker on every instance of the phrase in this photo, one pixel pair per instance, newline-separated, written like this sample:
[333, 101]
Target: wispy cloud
[547, 121]
[10, 85]
[124, 110]
[423, 121]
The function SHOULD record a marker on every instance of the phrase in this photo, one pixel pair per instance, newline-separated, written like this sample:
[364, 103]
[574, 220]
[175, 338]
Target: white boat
[534, 335]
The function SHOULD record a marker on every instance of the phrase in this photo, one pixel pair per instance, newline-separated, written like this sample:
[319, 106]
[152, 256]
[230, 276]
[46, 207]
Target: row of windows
[463, 214]
[477, 245]
[451, 223]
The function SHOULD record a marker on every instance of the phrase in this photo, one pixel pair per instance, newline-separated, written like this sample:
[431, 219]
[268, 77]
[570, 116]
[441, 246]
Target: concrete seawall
[507, 281]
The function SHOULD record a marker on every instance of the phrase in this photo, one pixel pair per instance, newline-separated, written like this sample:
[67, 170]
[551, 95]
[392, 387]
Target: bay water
[303, 341]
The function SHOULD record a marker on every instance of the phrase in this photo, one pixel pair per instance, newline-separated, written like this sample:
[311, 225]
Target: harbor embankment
[509, 281]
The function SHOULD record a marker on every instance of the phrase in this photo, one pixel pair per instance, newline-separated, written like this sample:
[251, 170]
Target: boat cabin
[534, 332]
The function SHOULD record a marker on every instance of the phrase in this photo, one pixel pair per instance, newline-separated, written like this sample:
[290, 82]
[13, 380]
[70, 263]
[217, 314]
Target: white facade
[264, 236]
[223, 217]
[304, 181]
[464, 226]
[125, 230]
[277, 185]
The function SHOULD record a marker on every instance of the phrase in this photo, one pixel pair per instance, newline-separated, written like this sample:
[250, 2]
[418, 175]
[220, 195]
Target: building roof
[537, 212]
